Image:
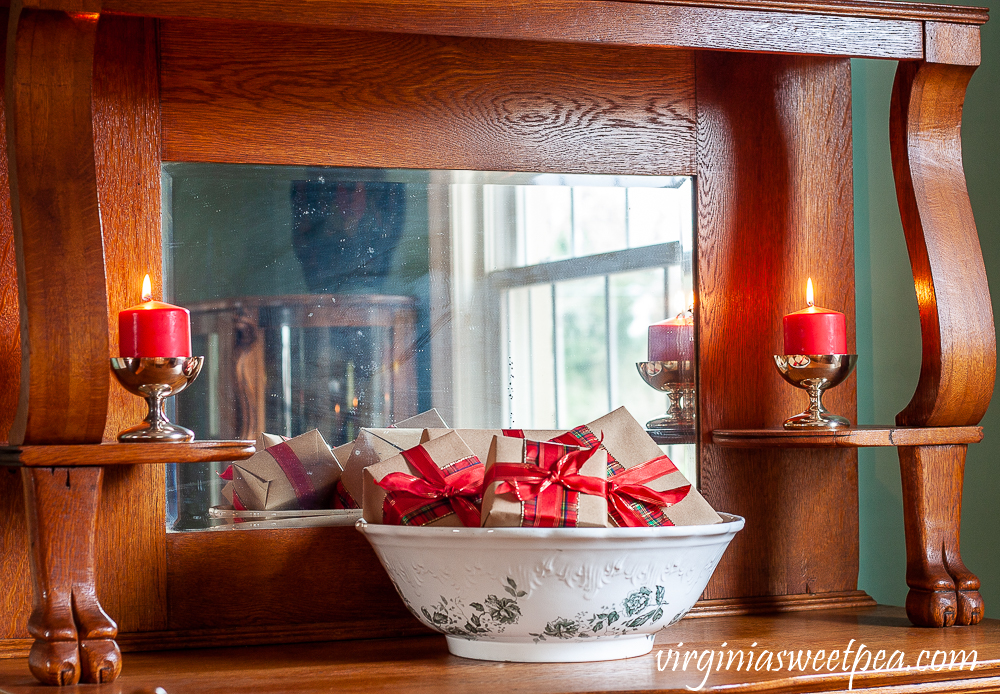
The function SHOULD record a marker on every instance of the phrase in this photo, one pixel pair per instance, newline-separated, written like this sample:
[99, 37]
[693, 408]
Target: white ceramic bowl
[550, 594]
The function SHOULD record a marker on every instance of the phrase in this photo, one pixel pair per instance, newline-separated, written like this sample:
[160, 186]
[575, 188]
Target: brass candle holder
[676, 379]
[156, 379]
[816, 373]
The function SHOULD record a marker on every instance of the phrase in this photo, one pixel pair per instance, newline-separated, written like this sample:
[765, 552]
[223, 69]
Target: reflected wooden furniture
[751, 97]
[241, 324]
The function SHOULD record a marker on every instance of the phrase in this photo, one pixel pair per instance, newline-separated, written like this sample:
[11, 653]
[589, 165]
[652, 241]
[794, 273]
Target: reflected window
[339, 298]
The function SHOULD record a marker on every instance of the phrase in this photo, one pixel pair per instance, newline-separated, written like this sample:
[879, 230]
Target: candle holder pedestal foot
[156, 379]
[815, 373]
[676, 379]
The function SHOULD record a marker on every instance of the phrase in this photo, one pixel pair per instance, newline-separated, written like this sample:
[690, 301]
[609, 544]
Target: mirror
[337, 298]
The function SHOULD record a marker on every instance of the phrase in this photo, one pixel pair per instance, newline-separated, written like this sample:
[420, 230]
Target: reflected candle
[672, 339]
[815, 330]
[154, 329]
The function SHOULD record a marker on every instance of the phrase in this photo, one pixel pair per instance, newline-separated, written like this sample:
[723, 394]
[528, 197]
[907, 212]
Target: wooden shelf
[422, 665]
[858, 437]
[104, 454]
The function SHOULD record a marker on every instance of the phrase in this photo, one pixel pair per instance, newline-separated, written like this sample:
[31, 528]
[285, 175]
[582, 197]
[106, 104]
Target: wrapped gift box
[480, 440]
[299, 473]
[374, 445]
[636, 462]
[415, 486]
[544, 484]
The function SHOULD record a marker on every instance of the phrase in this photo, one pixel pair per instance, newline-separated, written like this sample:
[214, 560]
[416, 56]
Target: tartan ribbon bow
[461, 489]
[555, 467]
[629, 486]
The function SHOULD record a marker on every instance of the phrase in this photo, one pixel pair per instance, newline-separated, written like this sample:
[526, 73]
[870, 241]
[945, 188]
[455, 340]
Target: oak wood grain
[278, 577]
[112, 454]
[952, 44]
[423, 666]
[74, 637]
[286, 95]
[127, 147]
[374, 627]
[681, 24]
[256, 10]
[132, 513]
[57, 229]
[958, 366]
[943, 592]
[857, 437]
[10, 333]
[126, 131]
[774, 185]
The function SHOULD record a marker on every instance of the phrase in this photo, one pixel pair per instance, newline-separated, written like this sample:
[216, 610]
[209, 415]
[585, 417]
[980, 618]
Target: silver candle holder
[676, 379]
[816, 373]
[156, 379]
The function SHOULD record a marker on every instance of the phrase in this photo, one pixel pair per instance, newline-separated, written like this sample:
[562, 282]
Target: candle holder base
[816, 373]
[676, 379]
[155, 379]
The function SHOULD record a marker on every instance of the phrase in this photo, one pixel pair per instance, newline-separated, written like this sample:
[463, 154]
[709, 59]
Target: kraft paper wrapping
[296, 474]
[373, 446]
[505, 510]
[443, 450]
[480, 440]
[627, 442]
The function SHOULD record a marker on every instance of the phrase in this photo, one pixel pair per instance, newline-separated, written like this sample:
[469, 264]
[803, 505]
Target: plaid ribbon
[342, 498]
[456, 488]
[630, 502]
[548, 483]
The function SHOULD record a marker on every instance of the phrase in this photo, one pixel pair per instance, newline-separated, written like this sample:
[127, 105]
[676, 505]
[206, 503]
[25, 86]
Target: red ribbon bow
[628, 487]
[463, 489]
[551, 472]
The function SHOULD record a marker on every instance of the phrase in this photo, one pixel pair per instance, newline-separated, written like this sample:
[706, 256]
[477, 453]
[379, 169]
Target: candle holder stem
[155, 379]
[816, 374]
[675, 412]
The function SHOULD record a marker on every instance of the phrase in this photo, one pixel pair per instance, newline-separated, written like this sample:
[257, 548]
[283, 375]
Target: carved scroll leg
[958, 368]
[942, 591]
[74, 637]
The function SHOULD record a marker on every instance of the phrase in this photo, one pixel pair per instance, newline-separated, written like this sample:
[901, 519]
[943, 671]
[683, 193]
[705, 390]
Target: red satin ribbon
[461, 489]
[629, 486]
[556, 471]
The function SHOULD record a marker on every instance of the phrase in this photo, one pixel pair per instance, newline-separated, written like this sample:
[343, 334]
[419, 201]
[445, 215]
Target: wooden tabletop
[423, 665]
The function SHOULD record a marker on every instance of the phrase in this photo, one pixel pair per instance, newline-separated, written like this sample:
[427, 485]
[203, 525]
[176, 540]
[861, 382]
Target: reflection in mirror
[335, 299]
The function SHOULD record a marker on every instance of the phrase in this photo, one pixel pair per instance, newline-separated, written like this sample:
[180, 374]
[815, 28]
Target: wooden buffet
[752, 97]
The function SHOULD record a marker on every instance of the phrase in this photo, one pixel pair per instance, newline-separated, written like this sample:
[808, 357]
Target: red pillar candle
[154, 329]
[815, 330]
[672, 339]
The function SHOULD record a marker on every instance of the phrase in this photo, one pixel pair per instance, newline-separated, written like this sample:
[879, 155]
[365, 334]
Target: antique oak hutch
[751, 97]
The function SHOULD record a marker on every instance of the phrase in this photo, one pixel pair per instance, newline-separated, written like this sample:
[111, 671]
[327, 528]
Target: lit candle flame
[147, 289]
[809, 292]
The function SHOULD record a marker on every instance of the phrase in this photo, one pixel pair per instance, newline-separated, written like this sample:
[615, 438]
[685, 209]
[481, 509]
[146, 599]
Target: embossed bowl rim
[730, 525]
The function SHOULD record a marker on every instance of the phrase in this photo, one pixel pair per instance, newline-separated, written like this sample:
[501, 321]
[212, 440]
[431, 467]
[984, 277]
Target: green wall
[888, 329]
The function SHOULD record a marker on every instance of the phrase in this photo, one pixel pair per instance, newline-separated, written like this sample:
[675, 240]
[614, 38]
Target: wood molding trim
[678, 24]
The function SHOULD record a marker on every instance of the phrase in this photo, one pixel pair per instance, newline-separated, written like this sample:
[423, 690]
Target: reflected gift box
[298, 473]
